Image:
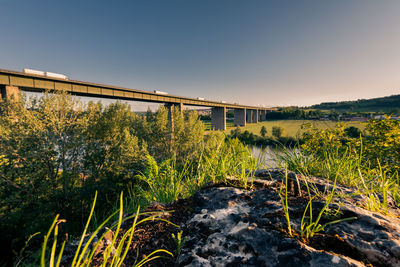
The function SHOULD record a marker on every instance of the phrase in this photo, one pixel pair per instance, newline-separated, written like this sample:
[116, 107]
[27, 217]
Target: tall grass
[310, 224]
[227, 157]
[219, 158]
[166, 181]
[115, 251]
[348, 168]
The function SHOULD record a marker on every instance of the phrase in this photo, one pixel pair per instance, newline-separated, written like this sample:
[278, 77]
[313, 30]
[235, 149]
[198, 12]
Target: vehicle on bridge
[160, 92]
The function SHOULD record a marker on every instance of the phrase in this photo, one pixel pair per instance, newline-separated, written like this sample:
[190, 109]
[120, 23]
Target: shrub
[263, 131]
[277, 131]
[55, 153]
[352, 132]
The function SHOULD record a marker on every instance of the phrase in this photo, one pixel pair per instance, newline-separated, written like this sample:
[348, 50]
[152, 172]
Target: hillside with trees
[387, 104]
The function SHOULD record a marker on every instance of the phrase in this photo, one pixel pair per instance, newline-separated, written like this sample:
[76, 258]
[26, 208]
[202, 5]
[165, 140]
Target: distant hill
[383, 104]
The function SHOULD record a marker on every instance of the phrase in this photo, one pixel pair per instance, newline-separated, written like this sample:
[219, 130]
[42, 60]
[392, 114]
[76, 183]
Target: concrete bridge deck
[11, 82]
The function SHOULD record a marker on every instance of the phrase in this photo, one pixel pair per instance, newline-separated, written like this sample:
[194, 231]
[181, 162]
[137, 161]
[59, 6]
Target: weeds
[285, 205]
[222, 157]
[115, 252]
[21, 255]
[179, 242]
[166, 182]
[378, 191]
[346, 167]
[308, 229]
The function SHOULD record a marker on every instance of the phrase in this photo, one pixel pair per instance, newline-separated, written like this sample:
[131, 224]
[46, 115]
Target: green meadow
[291, 127]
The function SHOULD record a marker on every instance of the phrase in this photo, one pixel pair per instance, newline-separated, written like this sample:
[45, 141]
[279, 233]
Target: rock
[238, 227]
[396, 251]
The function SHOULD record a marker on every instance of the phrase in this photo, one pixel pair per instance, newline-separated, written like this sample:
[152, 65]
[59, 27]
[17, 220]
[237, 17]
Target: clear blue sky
[252, 52]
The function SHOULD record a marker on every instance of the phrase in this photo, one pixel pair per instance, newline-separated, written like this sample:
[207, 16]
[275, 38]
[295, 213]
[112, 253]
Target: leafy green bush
[277, 131]
[165, 181]
[352, 132]
[263, 131]
[370, 162]
[222, 157]
[55, 153]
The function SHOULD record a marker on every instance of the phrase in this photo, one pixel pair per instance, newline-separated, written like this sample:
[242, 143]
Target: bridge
[11, 82]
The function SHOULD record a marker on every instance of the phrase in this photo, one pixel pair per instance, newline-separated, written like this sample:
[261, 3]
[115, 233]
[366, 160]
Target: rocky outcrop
[237, 227]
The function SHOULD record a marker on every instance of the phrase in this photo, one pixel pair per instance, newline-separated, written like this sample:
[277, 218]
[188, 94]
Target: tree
[352, 132]
[41, 144]
[263, 131]
[55, 153]
[277, 131]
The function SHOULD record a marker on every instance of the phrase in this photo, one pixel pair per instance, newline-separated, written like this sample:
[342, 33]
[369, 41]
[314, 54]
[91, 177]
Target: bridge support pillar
[255, 116]
[249, 115]
[9, 92]
[262, 115]
[180, 106]
[170, 107]
[239, 117]
[218, 118]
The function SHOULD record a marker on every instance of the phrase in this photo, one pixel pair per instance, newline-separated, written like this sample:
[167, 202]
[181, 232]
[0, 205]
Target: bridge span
[11, 82]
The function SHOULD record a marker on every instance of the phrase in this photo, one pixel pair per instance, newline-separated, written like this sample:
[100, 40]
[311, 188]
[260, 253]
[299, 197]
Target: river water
[266, 155]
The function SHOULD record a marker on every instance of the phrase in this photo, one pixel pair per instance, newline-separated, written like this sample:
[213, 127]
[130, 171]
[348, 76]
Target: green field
[292, 127]
[207, 125]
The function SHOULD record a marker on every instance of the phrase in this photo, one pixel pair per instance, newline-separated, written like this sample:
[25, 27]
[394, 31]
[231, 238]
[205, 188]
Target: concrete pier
[170, 107]
[249, 115]
[218, 118]
[239, 117]
[263, 114]
[9, 92]
[255, 116]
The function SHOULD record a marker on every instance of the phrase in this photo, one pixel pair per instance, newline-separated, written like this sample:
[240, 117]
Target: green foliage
[219, 158]
[166, 183]
[222, 157]
[179, 242]
[162, 143]
[308, 229]
[352, 132]
[375, 104]
[41, 158]
[285, 205]
[85, 252]
[263, 131]
[277, 131]
[369, 163]
[294, 113]
[251, 139]
[56, 152]
[383, 142]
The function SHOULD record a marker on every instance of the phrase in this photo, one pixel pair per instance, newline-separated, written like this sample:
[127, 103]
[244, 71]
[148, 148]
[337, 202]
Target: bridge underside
[12, 82]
